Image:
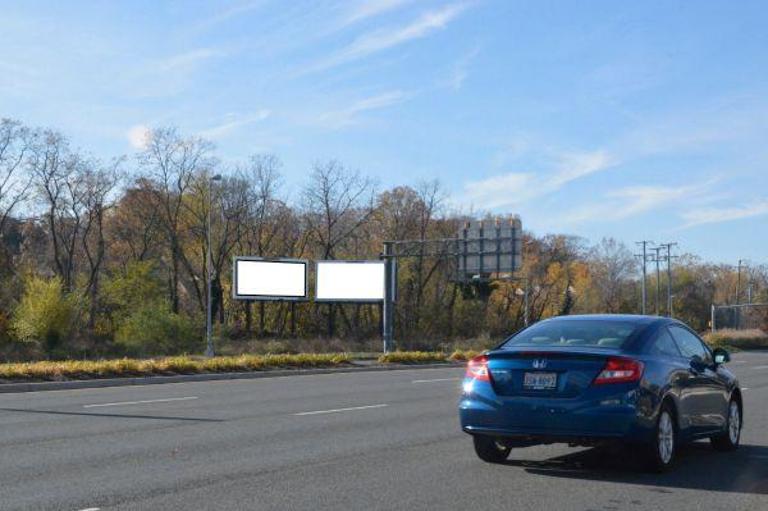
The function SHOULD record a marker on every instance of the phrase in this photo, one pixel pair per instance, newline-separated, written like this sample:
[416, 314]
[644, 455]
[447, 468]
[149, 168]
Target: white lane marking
[336, 410]
[744, 388]
[91, 509]
[435, 379]
[121, 403]
[760, 367]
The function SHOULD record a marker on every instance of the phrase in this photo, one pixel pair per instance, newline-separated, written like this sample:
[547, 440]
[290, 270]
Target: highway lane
[382, 440]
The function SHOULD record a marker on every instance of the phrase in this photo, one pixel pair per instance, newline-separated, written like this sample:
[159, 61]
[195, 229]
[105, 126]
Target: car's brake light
[620, 370]
[477, 368]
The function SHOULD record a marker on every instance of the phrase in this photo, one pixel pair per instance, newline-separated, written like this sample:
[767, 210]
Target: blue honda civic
[646, 381]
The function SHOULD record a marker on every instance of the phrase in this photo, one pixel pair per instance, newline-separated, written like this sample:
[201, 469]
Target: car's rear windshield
[569, 333]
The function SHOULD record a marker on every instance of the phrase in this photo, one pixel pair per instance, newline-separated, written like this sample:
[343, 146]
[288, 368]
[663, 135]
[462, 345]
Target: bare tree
[97, 183]
[172, 163]
[15, 147]
[337, 202]
[612, 267]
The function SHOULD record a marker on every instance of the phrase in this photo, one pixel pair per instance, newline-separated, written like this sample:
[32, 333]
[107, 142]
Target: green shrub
[45, 314]
[153, 329]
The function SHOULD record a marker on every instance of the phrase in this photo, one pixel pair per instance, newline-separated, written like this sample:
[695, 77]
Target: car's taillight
[620, 370]
[477, 368]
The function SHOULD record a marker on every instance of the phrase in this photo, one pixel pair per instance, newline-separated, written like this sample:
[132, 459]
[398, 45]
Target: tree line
[104, 258]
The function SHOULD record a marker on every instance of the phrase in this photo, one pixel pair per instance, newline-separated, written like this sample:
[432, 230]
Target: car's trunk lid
[547, 372]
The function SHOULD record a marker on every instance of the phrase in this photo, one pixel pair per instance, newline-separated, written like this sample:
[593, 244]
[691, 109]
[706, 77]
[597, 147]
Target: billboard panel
[257, 278]
[350, 281]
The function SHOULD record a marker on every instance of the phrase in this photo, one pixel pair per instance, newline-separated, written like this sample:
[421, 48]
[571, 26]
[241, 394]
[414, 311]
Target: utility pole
[738, 283]
[669, 246]
[644, 255]
[657, 260]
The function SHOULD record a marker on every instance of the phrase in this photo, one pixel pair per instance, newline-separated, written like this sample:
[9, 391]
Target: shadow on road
[112, 415]
[698, 467]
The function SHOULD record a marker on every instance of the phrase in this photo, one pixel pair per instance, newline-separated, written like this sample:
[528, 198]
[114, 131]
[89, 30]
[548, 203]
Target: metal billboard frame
[269, 298]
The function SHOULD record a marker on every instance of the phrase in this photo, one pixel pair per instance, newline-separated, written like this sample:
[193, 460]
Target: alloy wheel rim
[734, 423]
[666, 438]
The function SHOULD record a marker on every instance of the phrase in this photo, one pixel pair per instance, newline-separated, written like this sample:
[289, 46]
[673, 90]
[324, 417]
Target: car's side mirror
[721, 356]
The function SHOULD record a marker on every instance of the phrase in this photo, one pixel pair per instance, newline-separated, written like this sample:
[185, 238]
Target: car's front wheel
[729, 439]
[664, 443]
[490, 449]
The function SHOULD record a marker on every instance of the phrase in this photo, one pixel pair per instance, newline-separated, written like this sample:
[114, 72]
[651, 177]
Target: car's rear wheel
[729, 439]
[664, 444]
[489, 449]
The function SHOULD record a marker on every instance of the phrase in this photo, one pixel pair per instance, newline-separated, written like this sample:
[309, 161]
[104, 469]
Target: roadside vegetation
[737, 339]
[126, 367]
[107, 259]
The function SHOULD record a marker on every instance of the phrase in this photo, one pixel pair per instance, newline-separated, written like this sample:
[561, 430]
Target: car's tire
[729, 439]
[489, 449]
[661, 456]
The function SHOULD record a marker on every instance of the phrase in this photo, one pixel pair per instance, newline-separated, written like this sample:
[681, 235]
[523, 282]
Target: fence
[740, 317]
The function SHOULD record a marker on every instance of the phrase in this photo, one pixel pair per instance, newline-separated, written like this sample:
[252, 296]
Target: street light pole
[209, 351]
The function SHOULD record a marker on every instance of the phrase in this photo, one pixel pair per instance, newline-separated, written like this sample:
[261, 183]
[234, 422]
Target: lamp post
[209, 352]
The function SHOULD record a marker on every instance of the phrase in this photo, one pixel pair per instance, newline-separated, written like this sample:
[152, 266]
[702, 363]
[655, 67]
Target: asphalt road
[383, 440]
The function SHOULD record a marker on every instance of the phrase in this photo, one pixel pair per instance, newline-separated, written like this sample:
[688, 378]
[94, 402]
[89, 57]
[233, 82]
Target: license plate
[540, 381]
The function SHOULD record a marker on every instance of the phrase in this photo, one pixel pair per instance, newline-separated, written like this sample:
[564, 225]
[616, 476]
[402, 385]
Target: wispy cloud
[224, 14]
[233, 123]
[713, 215]
[515, 188]
[348, 116]
[383, 39]
[186, 60]
[630, 201]
[460, 70]
[371, 8]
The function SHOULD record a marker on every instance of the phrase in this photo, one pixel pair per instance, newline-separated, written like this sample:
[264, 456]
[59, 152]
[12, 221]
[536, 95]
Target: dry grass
[75, 369]
[738, 339]
[425, 357]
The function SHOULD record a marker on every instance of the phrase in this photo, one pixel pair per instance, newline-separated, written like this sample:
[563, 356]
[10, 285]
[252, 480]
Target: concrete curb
[8, 388]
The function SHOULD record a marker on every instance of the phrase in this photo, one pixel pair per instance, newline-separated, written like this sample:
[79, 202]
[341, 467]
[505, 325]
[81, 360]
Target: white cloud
[226, 14]
[633, 200]
[186, 60]
[460, 70]
[370, 8]
[139, 136]
[713, 215]
[498, 191]
[384, 39]
[515, 188]
[233, 123]
[348, 116]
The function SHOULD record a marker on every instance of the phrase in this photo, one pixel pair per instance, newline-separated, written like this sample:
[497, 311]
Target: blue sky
[638, 120]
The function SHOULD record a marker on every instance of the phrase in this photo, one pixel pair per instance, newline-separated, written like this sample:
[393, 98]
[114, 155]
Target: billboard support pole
[388, 309]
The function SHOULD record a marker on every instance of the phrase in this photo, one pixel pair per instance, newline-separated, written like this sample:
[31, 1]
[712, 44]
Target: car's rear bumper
[604, 414]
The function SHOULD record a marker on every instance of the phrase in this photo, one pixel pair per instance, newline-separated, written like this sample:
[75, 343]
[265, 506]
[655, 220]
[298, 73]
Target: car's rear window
[570, 333]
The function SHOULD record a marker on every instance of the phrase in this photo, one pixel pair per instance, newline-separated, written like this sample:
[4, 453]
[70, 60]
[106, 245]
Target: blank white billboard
[353, 281]
[260, 279]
